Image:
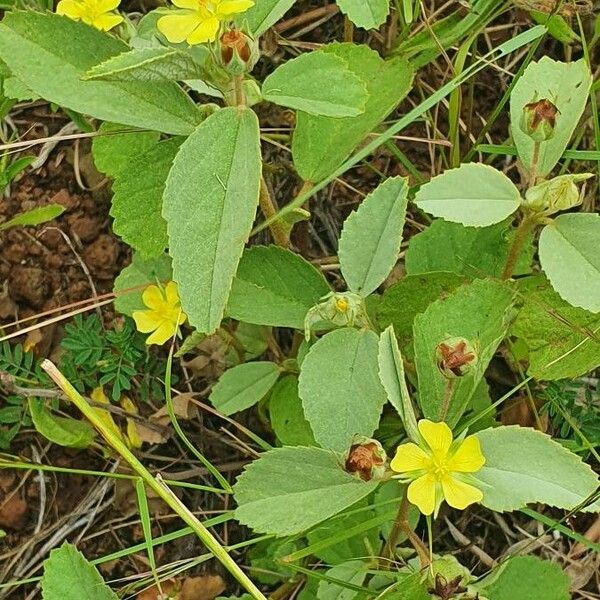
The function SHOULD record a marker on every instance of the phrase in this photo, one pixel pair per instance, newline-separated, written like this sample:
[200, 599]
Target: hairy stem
[521, 234]
[268, 209]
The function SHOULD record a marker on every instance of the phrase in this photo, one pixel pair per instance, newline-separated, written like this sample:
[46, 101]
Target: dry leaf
[169, 590]
[205, 587]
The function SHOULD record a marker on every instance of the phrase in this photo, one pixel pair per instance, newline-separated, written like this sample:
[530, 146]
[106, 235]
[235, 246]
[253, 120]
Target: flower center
[439, 468]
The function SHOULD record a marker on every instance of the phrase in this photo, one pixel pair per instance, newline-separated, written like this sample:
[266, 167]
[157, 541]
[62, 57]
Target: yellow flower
[439, 469]
[163, 316]
[97, 13]
[199, 21]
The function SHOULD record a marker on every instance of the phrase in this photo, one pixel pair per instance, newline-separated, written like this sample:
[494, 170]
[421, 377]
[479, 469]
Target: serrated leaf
[569, 256]
[210, 202]
[264, 14]
[35, 216]
[69, 576]
[287, 415]
[52, 53]
[63, 431]
[289, 490]
[563, 341]
[147, 64]
[274, 286]
[138, 199]
[567, 85]
[131, 281]
[478, 312]
[371, 236]
[523, 465]
[113, 151]
[340, 388]
[474, 194]
[321, 144]
[353, 572]
[318, 83]
[368, 14]
[243, 386]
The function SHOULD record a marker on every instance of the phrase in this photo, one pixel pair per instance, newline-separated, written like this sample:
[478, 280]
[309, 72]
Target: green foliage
[351, 573]
[10, 169]
[370, 240]
[35, 216]
[289, 490]
[13, 416]
[318, 83]
[368, 14]
[264, 14]
[217, 170]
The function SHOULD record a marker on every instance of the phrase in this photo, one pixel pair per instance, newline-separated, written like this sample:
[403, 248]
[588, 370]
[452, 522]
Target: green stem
[523, 230]
[156, 484]
[447, 397]
[238, 87]
[535, 162]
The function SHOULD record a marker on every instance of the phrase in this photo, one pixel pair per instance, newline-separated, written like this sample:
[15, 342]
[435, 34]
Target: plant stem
[535, 161]
[268, 209]
[156, 484]
[238, 90]
[523, 230]
[447, 397]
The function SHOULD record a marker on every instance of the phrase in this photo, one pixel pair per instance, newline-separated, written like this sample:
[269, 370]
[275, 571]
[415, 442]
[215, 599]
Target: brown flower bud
[234, 40]
[366, 459]
[456, 357]
[539, 120]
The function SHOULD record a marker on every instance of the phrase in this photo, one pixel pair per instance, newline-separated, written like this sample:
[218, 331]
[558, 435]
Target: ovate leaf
[288, 490]
[63, 431]
[69, 576]
[274, 286]
[243, 386]
[264, 14]
[473, 194]
[35, 216]
[210, 202]
[523, 465]
[51, 55]
[569, 256]
[318, 83]
[287, 415]
[321, 144]
[353, 572]
[340, 388]
[370, 241]
[367, 14]
[567, 85]
[138, 199]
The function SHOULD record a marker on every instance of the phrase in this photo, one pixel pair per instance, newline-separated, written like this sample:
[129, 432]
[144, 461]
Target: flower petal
[468, 457]
[164, 333]
[171, 294]
[107, 5]
[146, 320]
[107, 21]
[437, 435]
[421, 492]
[177, 27]
[409, 457]
[189, 4]
[153, 298]
[206, 32]
[459, 494]
[231, 7]
[69, 8]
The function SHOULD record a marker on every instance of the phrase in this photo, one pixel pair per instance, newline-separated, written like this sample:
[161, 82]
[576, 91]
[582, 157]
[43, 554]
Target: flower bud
[455, 357]
[539, 120]
[556, 194]
[366, 459]
[238, 51]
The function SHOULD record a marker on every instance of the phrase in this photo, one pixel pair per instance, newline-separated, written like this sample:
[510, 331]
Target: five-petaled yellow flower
[439, 469]
[164, 315]
[199, 21]
[97, 13]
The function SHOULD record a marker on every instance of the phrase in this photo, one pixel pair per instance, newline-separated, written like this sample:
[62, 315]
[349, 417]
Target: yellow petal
[182, 318]
[146, 320]
[177, 27]
[135, 441]
[189, 4]
[153, 297]
[231, 7]
[468, 457]
[100, 397]
[459, 494]
[206, 32]
[106, 5]
[128, 405]
[107, 21]
[164, 333]
[421, 493]
[409, 457]
[69, 8]
[171, 294]
[437, 435]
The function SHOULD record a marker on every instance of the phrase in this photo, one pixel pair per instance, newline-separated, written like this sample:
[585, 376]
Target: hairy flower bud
[238, 51]
[455, 357]
[539, 120]
[556, 194]
[366, 458]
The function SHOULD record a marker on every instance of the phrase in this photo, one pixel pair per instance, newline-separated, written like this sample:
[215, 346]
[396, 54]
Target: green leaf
[569, 256]
[210, 203]
[567, 85]
[563, 341]
[353, 572]
[289, 490]
[243, 386]
[523, 465]
[287, 415]
[274, 286]
[35, 216]
[138, 199]
[52, 54]
[69, 576]
[318, 83]
[264, 14]
[139, 274]
[114, 151]
[368, 14]
[60, 430]
[321, 144]
[147, 64]
[340, 388]
[527, 578]
[410, 296]
[473, 194]
[478, 312]
[370, 240]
